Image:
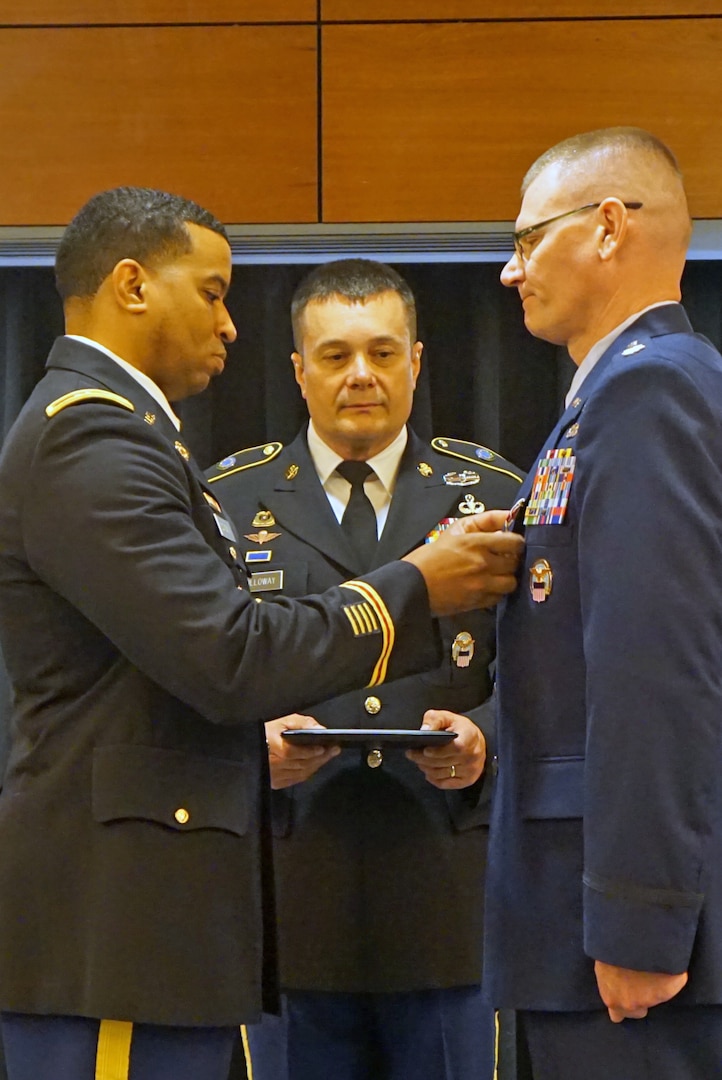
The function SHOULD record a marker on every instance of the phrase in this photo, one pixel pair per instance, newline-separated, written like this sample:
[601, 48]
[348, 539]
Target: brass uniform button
[372, 705]
[374, 759]
[181, 815]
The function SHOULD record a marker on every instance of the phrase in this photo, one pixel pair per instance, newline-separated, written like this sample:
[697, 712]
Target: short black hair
[125, 223]
[356, 280]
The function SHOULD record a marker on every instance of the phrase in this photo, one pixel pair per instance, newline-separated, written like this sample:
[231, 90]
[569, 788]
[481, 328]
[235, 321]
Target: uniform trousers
[671, 1043]
[79, 1048]
[422, 1035]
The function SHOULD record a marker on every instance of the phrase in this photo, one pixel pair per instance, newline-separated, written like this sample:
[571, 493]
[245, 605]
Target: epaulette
[480, 455]
[244, 459]
[77, 397]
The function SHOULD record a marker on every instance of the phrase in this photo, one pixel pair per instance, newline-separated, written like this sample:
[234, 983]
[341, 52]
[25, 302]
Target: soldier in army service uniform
[379, 853]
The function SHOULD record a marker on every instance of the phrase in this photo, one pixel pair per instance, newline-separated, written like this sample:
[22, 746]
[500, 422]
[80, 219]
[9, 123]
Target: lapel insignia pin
[424, 469]
[462, 649]
[576, 403]
[182, 451]
[291, 472]
[149, 418]
[469, 505]
[461, 479]
[572, 431]
[262, 537]
[632, 348]
[212, 502]
[541, 580]
[263, 519]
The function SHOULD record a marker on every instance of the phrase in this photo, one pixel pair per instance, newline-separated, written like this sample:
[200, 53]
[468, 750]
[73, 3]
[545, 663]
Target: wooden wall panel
[393, 10]
[440, 122]
[226, 116]
[123, 12]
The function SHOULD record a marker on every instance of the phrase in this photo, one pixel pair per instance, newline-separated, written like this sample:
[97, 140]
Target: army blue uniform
[379, 874]
[131, 819]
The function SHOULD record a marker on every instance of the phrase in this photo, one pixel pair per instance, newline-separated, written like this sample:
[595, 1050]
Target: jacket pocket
[182, 791]
[553, 787]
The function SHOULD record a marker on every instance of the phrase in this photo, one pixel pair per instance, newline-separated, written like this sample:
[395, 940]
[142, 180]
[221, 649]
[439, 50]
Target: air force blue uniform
[607, 829]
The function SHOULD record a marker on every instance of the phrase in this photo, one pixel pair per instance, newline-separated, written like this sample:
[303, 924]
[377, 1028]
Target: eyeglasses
[522, 254]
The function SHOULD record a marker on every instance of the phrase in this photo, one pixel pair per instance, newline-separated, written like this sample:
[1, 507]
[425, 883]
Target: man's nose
[513, 271]
[227, 328]
[360, 369]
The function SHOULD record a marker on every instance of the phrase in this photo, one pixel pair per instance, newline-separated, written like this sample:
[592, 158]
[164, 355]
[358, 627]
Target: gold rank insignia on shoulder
[291, 472]
[182, 450]
[469, 505]
[263, 519]
[77, 397]
[632, 348]
[425, 469]
[541, 580]
[462, 649]
[461, 479]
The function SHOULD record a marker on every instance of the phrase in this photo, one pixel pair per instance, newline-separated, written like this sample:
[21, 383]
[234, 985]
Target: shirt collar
[600, 347]
[385, 464]
[140, 377]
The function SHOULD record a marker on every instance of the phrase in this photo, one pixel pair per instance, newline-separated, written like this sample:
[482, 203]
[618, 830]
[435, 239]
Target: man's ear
[416, 350]
[130, 282]
[298, 371]
[614, 217]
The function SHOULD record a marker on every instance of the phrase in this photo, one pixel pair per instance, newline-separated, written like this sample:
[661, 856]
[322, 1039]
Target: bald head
[631, 164]
[602, 234]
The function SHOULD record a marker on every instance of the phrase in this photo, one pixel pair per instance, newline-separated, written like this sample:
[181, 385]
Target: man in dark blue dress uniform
[604, 894]
[379, 860]
[136, 929]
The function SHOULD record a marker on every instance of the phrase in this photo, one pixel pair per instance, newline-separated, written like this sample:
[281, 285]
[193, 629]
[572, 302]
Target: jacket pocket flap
[182, 791]
[554, 788]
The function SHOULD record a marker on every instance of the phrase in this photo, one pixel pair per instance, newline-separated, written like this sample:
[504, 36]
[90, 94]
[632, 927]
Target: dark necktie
[359, 517]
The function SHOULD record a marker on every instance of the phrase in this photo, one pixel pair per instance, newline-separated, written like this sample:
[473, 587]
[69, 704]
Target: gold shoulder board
[76, 397]
[480, 455]
[244, 459]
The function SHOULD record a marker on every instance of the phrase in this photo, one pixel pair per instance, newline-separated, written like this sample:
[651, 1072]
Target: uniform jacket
[607, 831]
[379, 873]
[131, 845]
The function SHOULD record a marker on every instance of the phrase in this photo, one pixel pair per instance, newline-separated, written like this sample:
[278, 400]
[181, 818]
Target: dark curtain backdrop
[483, 376]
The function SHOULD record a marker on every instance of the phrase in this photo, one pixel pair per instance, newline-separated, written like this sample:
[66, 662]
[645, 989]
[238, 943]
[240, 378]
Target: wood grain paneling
[392, 10]
[123, 12]
[440, 122]
[226, 116]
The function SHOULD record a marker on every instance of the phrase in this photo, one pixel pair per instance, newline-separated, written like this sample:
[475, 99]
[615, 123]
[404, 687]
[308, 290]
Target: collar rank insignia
[632, 348]
[149, 418]
[469, 505]
[182, 451]
[461, 479]
[572, 431]
[576, 403]
[541, 580]
[424, 468]
[263, 519]
[291, 472]
[262, 537]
